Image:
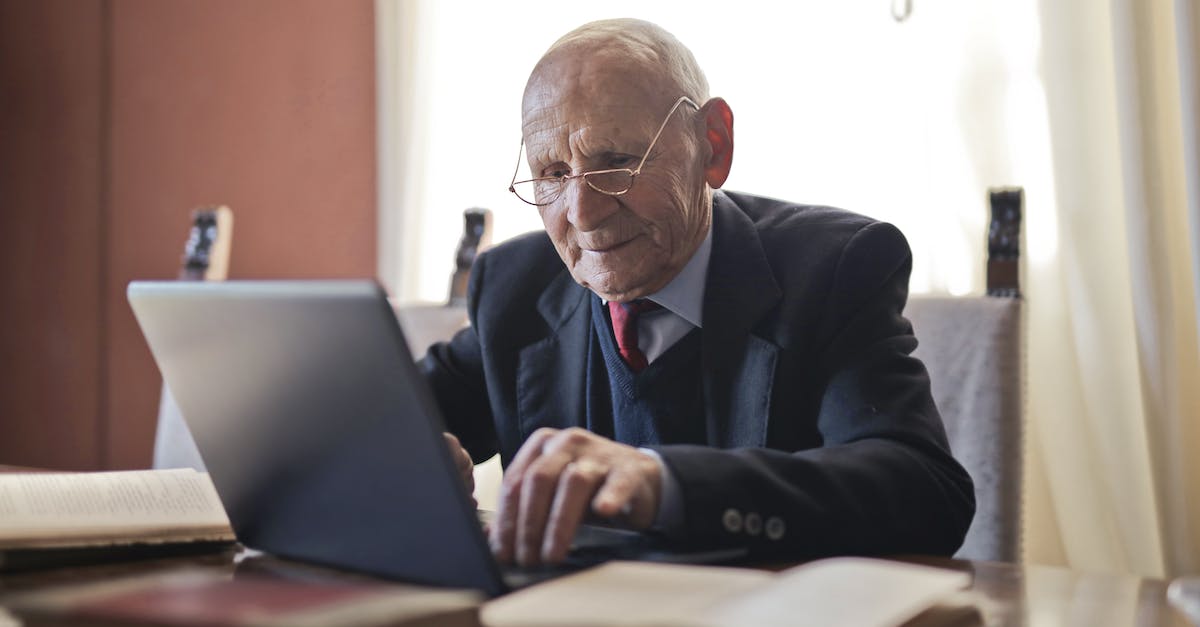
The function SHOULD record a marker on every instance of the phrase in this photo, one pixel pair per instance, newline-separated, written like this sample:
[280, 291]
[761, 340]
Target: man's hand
[466, 467]
[553, 481]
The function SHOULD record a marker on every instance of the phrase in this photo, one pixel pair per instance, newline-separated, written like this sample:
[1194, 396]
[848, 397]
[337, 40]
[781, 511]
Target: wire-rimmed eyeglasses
[544, 190]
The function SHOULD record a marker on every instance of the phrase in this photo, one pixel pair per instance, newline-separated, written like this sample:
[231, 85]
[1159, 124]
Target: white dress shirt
[683, 310]
[683, 306]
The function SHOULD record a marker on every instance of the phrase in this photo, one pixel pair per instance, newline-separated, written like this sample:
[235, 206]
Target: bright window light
[834, 103]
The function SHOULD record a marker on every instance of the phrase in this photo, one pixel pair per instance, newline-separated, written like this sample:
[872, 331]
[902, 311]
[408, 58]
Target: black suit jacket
[822, 435]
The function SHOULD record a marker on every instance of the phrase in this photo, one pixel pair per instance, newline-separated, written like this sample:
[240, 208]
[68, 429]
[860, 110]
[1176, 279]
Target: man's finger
[467, 470]
[576, 485]
[462, 460]
[504, 526]
[626, 493]
[456, 450]
[538, 488]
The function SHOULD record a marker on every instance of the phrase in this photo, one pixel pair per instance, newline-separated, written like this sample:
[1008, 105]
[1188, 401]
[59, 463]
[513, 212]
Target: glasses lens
[614, 182]
[538, 192]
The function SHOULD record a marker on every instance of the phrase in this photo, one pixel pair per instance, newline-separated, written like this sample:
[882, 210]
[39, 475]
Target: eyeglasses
[544, 190]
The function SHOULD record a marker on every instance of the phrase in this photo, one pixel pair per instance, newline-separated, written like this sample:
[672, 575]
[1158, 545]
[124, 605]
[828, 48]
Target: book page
[624, 593]
[150, 503]
[856, 591]
[840, 591]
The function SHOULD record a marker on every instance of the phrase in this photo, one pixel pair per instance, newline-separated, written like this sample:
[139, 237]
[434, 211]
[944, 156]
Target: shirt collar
[684, 295]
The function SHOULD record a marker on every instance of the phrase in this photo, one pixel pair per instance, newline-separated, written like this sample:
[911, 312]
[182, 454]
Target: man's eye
[556, 172]
[620, 161]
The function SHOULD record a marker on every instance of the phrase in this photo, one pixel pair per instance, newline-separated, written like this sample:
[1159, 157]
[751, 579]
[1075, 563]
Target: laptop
[322, 437]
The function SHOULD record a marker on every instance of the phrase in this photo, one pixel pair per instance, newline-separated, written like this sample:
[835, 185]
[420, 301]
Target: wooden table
[1006, 594]
[1019, 595]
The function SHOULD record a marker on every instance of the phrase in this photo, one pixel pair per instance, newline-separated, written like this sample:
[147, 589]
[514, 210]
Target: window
[834, 102]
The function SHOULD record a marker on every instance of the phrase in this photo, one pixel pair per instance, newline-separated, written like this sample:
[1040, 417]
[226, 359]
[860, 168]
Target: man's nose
[587, 208]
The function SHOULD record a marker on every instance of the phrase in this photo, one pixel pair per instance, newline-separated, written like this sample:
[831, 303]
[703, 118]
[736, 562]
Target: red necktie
[625, 328]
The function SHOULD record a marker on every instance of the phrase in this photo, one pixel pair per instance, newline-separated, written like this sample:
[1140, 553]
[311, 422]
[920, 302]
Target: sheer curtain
[1089, 106]
[1113, 350]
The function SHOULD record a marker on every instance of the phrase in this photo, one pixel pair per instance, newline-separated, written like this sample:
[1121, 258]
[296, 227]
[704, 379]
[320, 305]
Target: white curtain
[1112, 324]
[1091, 107]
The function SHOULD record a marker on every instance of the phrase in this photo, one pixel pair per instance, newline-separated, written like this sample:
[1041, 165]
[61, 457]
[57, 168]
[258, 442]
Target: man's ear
[718, 120]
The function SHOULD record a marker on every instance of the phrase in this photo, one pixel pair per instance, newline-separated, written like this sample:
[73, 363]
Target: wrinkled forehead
[601, 91]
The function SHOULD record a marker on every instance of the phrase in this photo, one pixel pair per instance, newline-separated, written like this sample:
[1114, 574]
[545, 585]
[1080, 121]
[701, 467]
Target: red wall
[51, 75]
[125, 114]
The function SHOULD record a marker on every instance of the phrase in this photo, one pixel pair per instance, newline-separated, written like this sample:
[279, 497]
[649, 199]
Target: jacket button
[753, 524]
[775, 528]
[732, 519]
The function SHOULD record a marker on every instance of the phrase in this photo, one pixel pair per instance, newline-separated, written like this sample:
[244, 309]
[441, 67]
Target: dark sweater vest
[662, 404]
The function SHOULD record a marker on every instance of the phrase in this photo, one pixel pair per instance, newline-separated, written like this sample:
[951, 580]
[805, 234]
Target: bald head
[634, 51]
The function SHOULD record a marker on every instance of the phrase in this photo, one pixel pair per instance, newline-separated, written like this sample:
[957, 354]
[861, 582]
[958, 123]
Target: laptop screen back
[316, 426]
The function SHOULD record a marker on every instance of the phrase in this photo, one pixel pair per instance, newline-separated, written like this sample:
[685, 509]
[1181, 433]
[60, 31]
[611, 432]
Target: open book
[839, 591]
[61, 518]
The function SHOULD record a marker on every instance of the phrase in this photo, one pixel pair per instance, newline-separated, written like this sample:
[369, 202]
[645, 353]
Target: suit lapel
[738, 365]
[552, 372]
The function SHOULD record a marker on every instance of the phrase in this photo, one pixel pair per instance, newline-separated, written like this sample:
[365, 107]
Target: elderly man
[726, 369]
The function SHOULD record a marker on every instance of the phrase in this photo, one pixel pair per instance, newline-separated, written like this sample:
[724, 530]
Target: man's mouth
[607, 248]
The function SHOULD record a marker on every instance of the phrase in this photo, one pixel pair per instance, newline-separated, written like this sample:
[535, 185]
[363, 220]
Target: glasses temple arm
[517, 169]
[682, 99]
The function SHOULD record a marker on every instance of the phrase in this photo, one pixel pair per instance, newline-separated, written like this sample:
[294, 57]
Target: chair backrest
[205, 258]
[973, 348]
[476, 236]
[426, 323]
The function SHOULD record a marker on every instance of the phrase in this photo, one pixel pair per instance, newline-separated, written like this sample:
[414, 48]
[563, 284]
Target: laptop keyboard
[596, 544]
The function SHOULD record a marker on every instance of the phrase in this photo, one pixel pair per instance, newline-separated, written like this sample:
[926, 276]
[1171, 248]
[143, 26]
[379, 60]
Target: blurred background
[348, 136]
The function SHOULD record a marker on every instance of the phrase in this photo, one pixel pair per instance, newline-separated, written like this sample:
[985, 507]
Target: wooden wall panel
[51, 106]
[265, 106]
[116, 118]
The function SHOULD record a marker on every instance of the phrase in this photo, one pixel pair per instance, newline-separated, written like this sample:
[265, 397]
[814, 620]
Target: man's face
[580, 117]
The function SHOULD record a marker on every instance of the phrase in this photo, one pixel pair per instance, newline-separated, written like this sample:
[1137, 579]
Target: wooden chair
[973, 349]
[426, 323]
[205, 258]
